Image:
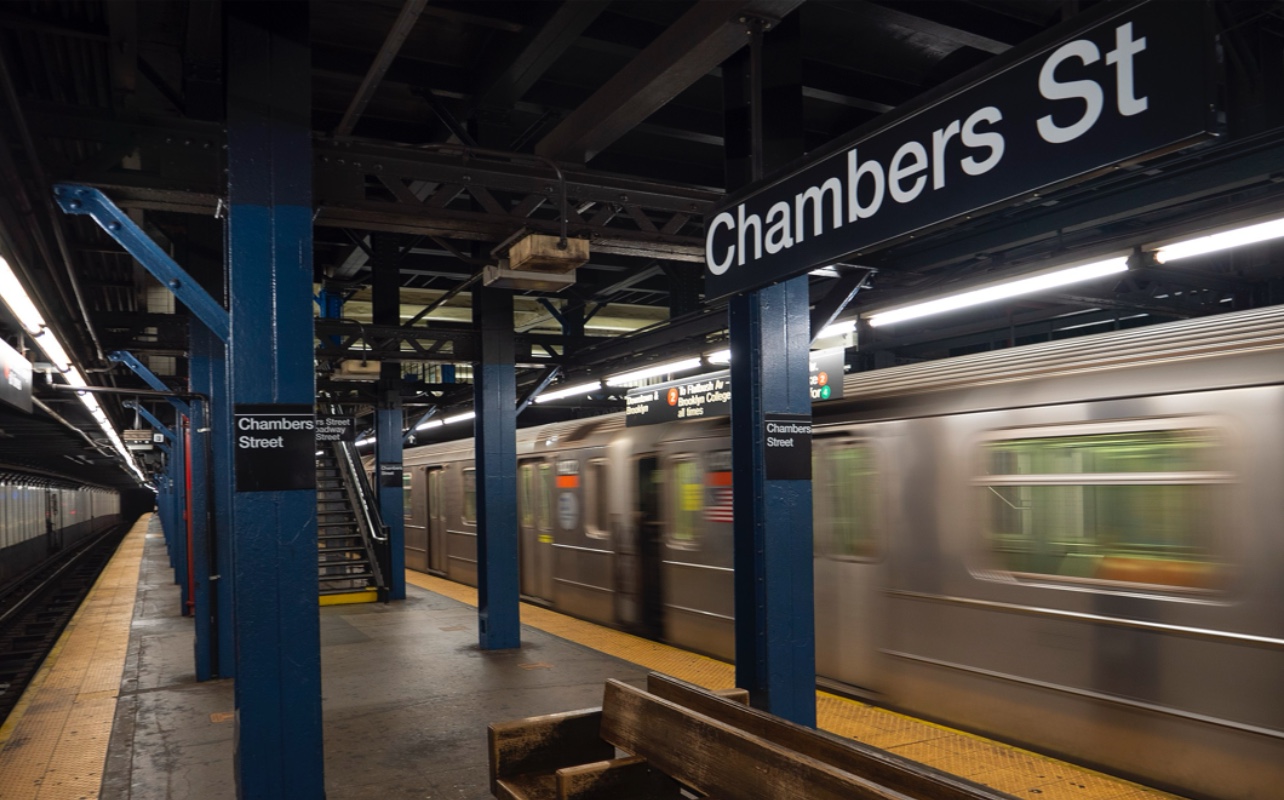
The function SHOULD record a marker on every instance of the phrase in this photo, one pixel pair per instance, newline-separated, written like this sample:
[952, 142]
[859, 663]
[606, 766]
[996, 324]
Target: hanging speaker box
[540, 253]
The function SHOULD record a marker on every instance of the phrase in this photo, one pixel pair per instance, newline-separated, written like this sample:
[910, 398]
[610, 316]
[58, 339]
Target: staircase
[347, 569]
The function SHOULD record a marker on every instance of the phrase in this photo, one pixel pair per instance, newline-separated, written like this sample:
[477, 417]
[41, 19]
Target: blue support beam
[220, 423]
[495, 443]
[76, 199]
[278, 740]
[775, 618]
[389, 417]
[204, 600]
[140, 369]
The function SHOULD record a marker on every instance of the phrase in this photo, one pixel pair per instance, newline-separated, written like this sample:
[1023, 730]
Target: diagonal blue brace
[151, 419]
[77, 199]
[140, 369]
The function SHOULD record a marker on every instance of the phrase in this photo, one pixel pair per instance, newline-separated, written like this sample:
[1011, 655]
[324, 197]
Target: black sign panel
[1138, 83]
[390, 476]
[787, 446]
[692, 398]
[15, 378]
[275, 447]
[825, 374]
[335, 429]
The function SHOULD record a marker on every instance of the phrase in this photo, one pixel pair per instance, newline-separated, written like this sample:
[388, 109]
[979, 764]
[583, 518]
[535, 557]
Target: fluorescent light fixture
[1251, 234]
[570, 391]
[1001, 291]
[467, 415]
[837, 329]
[719, 356]
[19, 302]
[365, 441]
[651, 372]
[432, 423]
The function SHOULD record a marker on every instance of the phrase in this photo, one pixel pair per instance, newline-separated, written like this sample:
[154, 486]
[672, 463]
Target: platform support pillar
[386, 310]
[203, 556]
[278, 738]
[495, 395]
[770, 342]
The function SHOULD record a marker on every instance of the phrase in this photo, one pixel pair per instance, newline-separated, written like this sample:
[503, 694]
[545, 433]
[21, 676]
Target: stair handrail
[368, 520]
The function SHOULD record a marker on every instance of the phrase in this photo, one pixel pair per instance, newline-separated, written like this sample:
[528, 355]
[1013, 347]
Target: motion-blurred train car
[1074, 546]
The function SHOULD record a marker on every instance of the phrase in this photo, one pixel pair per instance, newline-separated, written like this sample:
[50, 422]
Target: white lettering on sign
[274, 424]
[789, 427]
[968, 146]
[260, 442]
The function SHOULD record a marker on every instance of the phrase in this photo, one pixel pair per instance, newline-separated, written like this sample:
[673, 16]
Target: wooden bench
[676, 734]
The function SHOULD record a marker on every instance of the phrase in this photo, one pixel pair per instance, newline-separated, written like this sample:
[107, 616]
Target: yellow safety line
[54, 743]
[999, 766]
[349, 598]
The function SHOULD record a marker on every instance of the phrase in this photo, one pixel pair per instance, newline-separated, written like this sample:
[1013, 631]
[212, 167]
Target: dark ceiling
[437, 126]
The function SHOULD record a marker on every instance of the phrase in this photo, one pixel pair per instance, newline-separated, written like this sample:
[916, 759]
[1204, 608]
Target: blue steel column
[220, 424]
[775, 622]
[178, 540]
[386, 310]
[495, 396]
[278, 670]
[204, 600]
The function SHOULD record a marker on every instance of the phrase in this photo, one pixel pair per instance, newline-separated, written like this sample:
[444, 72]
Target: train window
[596, 523]
[1131, 506]
[525, 495]
[470, 496]
[845, 499]
[686, 502]
[544, 498]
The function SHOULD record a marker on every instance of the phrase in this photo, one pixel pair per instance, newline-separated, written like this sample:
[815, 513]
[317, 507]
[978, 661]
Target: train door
[535, 528]
[435, 521]
[846, 521]
[416, 520]
[650, 545]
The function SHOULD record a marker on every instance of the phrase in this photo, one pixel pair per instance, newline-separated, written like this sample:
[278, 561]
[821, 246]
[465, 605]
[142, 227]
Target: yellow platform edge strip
[54, 743]
[350, 598]
[1003, 767]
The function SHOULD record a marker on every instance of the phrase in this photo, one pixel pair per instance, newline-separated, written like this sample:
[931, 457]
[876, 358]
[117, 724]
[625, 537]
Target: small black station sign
[15, 378]
[275, 447]
[1135, 84]
[787, 446]
[391, 476]
[825, 374]
[335, 429]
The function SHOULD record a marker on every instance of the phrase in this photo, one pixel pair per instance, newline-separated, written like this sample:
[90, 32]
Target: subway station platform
[116, 711]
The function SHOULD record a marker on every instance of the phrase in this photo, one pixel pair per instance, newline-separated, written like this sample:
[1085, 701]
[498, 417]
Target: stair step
[333, 578]
[325, 550]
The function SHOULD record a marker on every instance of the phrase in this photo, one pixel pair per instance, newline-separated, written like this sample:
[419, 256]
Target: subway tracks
[36, 607]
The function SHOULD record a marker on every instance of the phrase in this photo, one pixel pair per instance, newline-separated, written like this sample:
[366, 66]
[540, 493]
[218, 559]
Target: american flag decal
[718, 507]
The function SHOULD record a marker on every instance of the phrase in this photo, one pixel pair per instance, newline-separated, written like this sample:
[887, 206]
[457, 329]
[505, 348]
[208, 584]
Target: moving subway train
[1075, 546]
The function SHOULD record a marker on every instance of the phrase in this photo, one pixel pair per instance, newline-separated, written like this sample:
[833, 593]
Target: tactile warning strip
[1008, 769]
[54, 744]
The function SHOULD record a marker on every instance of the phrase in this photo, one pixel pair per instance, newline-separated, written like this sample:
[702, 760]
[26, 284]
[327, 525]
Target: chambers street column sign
[1132, 84]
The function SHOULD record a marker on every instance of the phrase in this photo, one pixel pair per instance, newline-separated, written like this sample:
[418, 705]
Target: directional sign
[15, 378]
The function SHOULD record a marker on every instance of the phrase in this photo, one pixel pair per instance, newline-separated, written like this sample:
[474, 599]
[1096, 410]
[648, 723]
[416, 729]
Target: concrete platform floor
[407, 695]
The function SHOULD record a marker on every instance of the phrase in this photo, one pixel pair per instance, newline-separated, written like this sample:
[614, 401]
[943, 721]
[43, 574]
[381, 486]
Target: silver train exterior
[38, 518]
[1074, 546]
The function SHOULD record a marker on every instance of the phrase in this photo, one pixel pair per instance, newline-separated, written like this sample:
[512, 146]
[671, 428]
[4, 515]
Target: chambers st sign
[1134, 84]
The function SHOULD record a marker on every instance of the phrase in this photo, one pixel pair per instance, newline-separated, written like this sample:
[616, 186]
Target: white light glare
[837, 329]
[651, 372]
[719, 356]
[432, 423]
[570, 391]
[365, 441]
[16, 298]
[1261, 232]
[467, 415]
[1001, 291]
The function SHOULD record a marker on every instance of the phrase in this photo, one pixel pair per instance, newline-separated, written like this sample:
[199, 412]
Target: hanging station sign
[15, 378]
[1131, 85]
[330, 429]
[275, 447]
[709, 395]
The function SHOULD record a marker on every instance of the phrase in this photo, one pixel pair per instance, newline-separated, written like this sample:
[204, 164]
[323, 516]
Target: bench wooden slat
[544, 744]
[629, 778]
[717, 759]
[884, 768]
